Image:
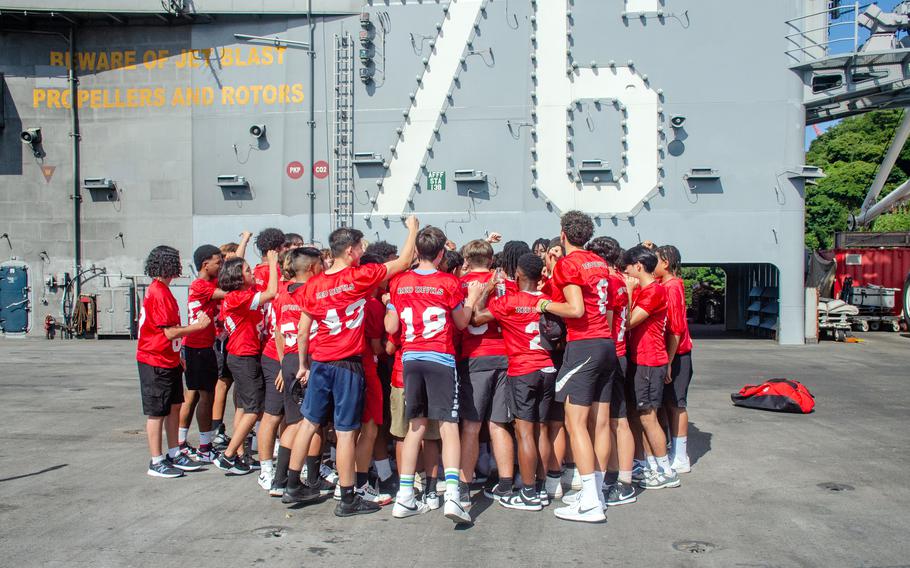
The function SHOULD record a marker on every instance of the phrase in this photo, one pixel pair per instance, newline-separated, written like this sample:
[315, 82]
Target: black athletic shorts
[484, 390]
[160, 389]
[586, 373]
[201, 368]
[430, 391]
[221, 354]
[618, 408]
[531, 395]
[293, 390]
[557, 409]
[274, 401]
[249, 386]
[648, 383]
[675, 393]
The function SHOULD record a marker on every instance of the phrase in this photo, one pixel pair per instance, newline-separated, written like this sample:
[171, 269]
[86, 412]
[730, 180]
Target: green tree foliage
[691, 275]
[850, 153]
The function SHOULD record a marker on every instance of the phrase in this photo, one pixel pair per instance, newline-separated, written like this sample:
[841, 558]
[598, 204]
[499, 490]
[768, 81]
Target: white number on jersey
[333, 322]
[603, 287]
[533, 329]
[289, 331]
[434, 321]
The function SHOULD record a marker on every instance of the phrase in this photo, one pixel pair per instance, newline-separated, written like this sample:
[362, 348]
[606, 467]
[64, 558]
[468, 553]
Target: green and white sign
[436, 181]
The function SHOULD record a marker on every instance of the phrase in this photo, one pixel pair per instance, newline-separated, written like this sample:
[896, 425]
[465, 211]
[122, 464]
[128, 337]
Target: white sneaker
[454, 511]
[330, 474]
[659, 480]
[681, 465]
[571, 498]
[554, 487]
[265, 478]
[575, 481]
[576, 513]
[370, 494]
[409, 508]
[336, 495]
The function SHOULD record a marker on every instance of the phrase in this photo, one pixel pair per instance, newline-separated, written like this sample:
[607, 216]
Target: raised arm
[572, 308]
[403, 262]
[272, 290]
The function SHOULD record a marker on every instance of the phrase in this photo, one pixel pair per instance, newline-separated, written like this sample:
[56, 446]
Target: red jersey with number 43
[159, 310]
[517, 314]
[590, 273]
[424, 303]
[647, 342]
[676, 314]
[200, 301]
[242, 315]
[338, 301]
[485, 340]
[620, 307]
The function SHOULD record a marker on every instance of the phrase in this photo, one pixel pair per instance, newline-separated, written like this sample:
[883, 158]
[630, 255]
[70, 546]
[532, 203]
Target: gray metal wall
[720, 64]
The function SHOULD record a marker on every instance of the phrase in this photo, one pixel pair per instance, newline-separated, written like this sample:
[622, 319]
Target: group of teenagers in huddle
[386, 377]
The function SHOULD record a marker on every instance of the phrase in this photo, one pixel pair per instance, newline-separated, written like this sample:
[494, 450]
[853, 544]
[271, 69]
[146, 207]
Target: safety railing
[815, 36]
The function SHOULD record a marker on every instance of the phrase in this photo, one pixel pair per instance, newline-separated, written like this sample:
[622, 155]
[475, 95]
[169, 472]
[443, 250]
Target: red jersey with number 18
[485, 340]
[159, 310]
[590, 273]
[337, 301]
[424, 303]
[517, 314]
[647, 343]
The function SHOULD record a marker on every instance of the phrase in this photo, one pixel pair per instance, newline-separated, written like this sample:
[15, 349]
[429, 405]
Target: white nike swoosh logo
[562, 382]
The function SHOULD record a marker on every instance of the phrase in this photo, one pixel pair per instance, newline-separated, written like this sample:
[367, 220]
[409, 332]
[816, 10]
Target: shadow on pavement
[699, 443]
[34, 473]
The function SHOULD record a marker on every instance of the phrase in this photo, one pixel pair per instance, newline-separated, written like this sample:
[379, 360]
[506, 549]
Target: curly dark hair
[231, 276]
[511, 252]
[541, 242]
[531, 265]
[163, 262]
[606, 248]
[270, 239]
[382, 249]
[578, 227]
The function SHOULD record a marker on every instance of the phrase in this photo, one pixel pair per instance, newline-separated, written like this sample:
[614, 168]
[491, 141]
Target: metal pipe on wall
[312, 121]
[77, 184]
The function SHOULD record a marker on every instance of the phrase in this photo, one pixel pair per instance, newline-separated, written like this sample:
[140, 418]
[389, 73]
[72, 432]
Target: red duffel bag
[781, 395]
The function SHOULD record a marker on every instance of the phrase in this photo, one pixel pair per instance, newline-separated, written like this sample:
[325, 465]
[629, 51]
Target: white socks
[680, 451]
[158, 459]
[205, 438]
[589, 492]
[172, 452]
[181, 435]
[266, 465]
[652, 463]
[664, 464]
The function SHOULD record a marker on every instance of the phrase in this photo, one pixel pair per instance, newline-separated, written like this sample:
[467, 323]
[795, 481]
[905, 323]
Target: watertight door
[14, 298]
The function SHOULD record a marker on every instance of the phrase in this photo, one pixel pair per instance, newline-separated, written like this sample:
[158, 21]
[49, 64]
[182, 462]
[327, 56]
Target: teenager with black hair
[679, 351]
[511, 252]
[531, 378]
[200, 359]
[160, 369]
[241, 311]
[648, 360]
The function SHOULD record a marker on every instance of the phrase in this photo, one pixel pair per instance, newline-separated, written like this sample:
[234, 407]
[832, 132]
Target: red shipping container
[887, 267]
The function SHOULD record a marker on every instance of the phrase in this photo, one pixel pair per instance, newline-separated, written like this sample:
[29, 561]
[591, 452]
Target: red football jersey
[261, 276]
[485, 340]
[287, 307]
[242, 315]
[590, 273]
[200, 301]
[676, 314]
[338, 302]
[159, 310]
[373, 328]
[620, 307]
[517, 314]
[424, 303]
[271, 324]
[647, 341]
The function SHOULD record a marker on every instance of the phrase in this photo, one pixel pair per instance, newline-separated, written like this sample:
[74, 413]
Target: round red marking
[321, 169]
[294, 170]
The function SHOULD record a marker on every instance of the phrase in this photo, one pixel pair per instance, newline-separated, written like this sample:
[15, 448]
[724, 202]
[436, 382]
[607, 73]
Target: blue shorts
[340, 383]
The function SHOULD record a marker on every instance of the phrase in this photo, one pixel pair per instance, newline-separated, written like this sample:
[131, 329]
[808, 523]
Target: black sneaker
[250, 462]
[233, 466]
[303, 494]
[324, 487]
[518, 500]
[221, 442]
[359, 506]
[619, 493]
[389, 486]
[497, 492]
[186, 463]
[164, 468]
[464, 495]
